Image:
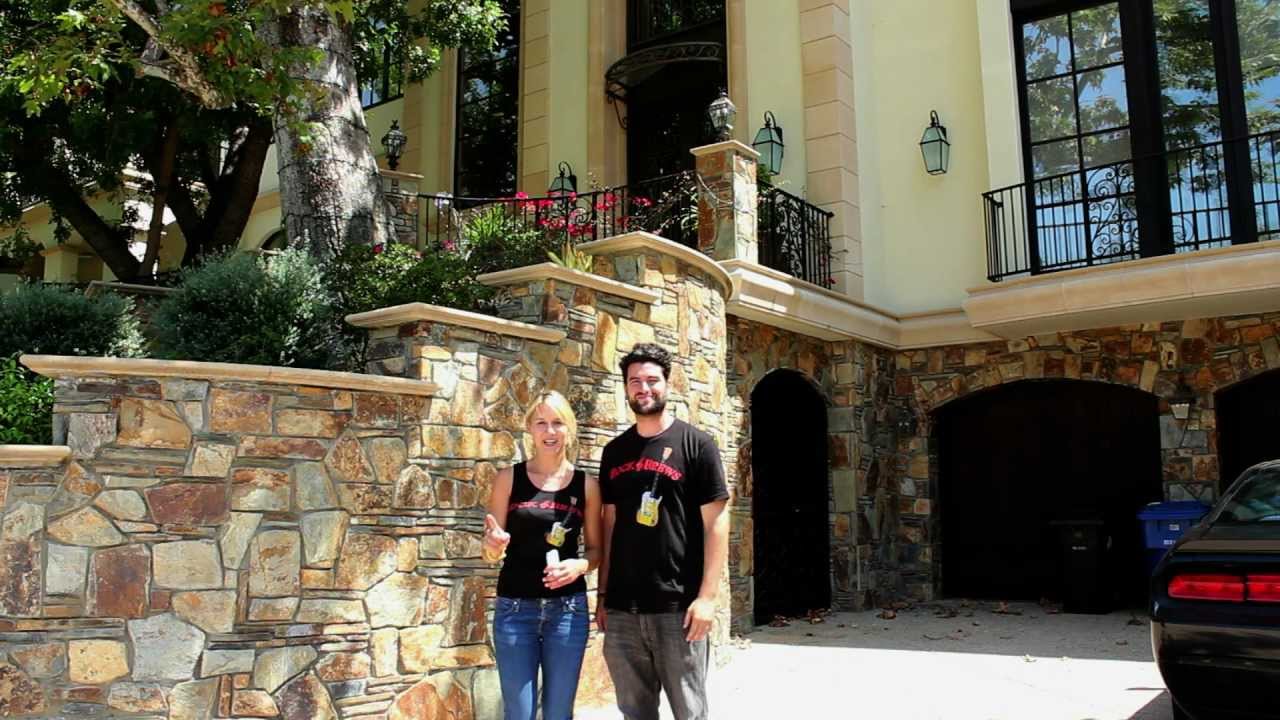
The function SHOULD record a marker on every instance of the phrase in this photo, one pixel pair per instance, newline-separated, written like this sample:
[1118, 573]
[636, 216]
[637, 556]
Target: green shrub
[26, 405]
[494, 239]
[242, 308]
[48, 320]
[364, 278]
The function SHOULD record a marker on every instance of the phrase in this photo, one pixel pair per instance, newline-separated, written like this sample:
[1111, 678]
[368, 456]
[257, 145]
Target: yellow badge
[647, 514]
[556, 535]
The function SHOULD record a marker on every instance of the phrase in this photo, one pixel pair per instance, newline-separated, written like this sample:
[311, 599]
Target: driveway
[948, 660]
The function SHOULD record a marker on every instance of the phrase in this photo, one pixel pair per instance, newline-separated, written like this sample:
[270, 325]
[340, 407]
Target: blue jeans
[546, 632]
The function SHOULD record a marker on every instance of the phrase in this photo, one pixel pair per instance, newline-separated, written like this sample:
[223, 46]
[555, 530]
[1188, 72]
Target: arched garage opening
[1248, 418]
[792, 566]
[1015, 459]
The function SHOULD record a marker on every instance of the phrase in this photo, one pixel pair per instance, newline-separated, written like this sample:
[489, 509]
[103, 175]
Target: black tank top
[531, 514]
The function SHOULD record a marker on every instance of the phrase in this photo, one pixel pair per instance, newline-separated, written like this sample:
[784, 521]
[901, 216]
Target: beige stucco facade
[851, 82]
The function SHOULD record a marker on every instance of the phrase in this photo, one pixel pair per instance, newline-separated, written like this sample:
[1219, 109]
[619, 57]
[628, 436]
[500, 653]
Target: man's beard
[658, 403]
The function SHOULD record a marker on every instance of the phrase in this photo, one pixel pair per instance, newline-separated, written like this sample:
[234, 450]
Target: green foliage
[495, 239]
[365, 278]
[243, 308]
[49, 320]
[26, 405]
[571, 257]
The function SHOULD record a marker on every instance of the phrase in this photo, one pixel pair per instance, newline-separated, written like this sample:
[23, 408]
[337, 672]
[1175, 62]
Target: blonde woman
[537, 513]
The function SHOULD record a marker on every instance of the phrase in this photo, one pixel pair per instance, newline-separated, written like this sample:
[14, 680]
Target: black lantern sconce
[935, 147]
[565, 183]
[1182, 400]
[769, 144]
[904, 421]
[394, 142]
[722, 112]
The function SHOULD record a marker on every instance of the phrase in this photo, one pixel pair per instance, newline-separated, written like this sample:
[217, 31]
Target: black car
[1215, 605]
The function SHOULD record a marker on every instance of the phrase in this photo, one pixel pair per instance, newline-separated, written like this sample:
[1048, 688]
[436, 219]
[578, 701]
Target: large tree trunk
[330, 188]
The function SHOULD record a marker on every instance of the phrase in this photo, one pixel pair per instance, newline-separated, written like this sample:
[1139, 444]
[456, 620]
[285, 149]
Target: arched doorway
[789, 496]
[1248, 415]
[1014, 459]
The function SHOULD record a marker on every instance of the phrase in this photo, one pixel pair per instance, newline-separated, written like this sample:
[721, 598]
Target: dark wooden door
[1248, 425]
[789, 497]
[1016, 458]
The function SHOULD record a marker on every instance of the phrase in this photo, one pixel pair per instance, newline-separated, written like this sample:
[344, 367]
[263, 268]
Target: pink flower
[545, 203]
[377, 249]
[522, 195]
[642, 201]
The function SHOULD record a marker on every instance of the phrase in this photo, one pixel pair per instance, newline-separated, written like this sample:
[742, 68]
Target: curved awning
[634, 69]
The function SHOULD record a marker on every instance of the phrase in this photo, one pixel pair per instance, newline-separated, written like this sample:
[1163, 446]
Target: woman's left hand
[557, 575]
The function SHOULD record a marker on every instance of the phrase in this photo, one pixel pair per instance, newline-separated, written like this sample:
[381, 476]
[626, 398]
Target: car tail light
[1207, 587]
[1264, 588]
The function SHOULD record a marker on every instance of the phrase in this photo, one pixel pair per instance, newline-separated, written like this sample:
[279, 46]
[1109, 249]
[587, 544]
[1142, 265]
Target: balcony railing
[666, 206]
[794, 236]
[1183, 200]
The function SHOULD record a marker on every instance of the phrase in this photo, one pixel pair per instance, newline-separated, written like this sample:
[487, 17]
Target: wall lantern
[394, 142]
[935, 147]
[904, 420]
[722, 111]
[565, 183]
[1182, 400]
[769, 144]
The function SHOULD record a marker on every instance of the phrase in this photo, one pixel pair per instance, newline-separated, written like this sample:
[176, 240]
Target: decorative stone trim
[33, 456]
[552, 271]
[733, 145]
[57, 366]
[639, 240]
[1218, 282]
[774, 298]
[421, 312]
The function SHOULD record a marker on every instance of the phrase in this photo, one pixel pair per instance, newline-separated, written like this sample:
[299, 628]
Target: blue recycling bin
[1163, 523]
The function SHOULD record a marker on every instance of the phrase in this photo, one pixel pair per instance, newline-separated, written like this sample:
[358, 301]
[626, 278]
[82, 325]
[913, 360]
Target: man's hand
[697, 619]
[601, 613]
[495, 539]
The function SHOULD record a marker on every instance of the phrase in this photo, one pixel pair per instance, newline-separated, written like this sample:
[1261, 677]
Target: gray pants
[646, 653]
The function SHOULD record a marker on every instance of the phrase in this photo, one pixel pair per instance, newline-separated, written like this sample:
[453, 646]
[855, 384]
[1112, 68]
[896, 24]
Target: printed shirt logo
[646, 465]
[546, 505]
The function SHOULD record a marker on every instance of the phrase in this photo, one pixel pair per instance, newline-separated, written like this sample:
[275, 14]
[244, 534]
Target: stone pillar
[727, 200]
[400, 190]
[61, 263]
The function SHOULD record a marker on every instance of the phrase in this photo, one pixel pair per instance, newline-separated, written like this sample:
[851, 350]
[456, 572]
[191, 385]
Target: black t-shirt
[530, 515]
[659, 569]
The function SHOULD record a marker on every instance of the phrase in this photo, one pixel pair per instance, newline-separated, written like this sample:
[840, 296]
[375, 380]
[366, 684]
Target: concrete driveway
[926, 664]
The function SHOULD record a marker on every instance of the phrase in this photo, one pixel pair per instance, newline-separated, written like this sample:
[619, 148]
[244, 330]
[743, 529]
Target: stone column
[727, 200]
[401, 192]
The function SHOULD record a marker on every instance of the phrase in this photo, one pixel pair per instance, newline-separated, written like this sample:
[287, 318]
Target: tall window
[1150, 126]
[388, 83]
[484, 163]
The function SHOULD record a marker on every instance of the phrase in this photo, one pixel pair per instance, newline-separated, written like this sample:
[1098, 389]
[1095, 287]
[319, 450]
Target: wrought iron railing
[1178, 201]
[794, 236]
[666, 206]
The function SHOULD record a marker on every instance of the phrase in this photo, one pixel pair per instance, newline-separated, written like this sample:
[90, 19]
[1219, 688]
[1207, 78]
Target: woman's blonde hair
[560, 406]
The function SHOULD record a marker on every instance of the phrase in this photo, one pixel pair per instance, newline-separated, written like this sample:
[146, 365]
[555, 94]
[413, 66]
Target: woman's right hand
[495, 539]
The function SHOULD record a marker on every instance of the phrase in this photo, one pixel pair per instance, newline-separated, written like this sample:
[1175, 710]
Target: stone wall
[849, 376]
[1210, 354]
[261, 545]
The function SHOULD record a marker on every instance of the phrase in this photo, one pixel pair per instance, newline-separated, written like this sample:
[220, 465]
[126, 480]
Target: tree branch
[182, 69]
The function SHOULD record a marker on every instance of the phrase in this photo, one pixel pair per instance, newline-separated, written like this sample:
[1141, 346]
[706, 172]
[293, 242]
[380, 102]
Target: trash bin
[1163, 523]
[1082, 543]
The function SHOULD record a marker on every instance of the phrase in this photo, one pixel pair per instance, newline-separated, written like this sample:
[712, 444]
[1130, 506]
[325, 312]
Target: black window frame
[1146, 126]
[466, 68]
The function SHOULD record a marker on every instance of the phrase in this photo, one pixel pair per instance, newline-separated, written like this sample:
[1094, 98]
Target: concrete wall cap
[648, 241]
[734, 145]
[397, 315]
[33, 456]
[552, 271]
[65, 366]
